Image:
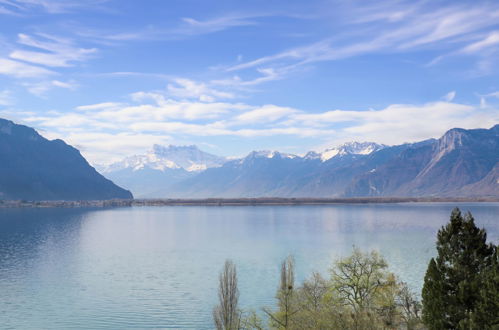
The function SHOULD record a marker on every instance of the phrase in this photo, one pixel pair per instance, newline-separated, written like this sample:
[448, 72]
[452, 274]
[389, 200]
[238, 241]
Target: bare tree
[285, 295]
[410, 307]
[227, 315]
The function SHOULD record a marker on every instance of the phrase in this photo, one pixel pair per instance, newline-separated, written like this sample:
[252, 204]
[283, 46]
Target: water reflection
[158, 267]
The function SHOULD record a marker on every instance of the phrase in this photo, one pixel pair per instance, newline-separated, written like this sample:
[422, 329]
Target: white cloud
[62, 84]
[265, 114]
[484, 97]
[491, 40]
[57, 52]
[42, 87]
[187, 27]
[189, 89]
[105, 148]
[493, 94]
[402, 123]
[49, 6]
[22, 70]
[100, 106]
[163, 108]
[214, 25]
[267, 74]
[449, 96]
[405, 27]
[110, 130]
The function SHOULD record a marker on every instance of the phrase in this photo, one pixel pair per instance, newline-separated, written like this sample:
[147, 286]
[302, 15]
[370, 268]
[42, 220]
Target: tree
[451, 288]
[486, 315]
[433, 306]
[317, 309]
[359, 278]
[409, 306]
[364, 286]
[285, 297]
[361, 294]
[227, 315]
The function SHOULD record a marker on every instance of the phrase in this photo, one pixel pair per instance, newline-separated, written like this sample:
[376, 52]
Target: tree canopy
[451, 291]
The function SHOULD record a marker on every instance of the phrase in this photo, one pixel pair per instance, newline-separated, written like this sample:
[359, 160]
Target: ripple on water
[158, 267]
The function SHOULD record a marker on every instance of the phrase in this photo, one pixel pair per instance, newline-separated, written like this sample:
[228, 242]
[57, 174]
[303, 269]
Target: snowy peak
[161, 158]
[349, 148]
[268, 154]
[312, 155]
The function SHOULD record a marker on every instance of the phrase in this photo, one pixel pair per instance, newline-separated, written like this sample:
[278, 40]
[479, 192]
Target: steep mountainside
[34, 168]
[461, 163]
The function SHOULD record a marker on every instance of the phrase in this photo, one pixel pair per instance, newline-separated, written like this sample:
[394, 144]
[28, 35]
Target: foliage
[452, 282]
[359, 278]
[360, 294]
[486, 314]
[461, 290]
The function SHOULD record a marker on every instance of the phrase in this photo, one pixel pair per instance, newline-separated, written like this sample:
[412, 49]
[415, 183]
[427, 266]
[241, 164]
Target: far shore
[238, 201]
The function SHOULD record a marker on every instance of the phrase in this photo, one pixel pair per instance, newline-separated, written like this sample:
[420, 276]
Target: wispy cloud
[194, 26]
[36, 58]
[449, 96]
[41, 88]
[189, 89]
[186, 27]
[22, 70]
[403, 30]
[15, 7]
[100, 106]
[492, 39]
[56, 52]
[264, 114]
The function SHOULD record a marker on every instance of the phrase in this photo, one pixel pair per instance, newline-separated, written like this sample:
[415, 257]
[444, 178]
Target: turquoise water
[150, 267]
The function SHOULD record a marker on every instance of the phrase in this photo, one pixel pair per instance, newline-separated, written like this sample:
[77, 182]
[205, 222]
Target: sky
[112, 78]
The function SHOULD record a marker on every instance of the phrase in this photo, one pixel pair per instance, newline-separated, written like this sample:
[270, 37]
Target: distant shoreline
[240, 201]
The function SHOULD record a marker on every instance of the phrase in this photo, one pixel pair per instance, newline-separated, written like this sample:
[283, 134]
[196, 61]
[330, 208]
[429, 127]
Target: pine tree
[433, 306]
[451, 289]
[486, 315]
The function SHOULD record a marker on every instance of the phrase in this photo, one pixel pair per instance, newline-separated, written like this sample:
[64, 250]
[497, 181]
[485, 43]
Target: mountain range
[462, 163]
[34, 168]
[148, 175]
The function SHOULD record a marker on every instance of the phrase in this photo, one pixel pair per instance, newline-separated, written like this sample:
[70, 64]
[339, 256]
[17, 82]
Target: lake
[150, 267]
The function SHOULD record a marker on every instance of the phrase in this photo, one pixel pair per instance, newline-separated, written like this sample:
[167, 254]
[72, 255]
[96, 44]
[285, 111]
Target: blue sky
[114, 77]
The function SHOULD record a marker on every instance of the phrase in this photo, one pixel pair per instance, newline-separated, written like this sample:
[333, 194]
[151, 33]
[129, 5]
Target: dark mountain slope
[34, 168]
[462, 163]
[459, 159]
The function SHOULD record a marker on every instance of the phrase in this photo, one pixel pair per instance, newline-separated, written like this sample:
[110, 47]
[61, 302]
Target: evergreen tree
[452, 281]
[433, 306]
[486, 315]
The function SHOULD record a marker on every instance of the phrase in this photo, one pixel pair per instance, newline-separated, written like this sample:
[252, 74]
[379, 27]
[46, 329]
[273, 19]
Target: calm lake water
[150, 267]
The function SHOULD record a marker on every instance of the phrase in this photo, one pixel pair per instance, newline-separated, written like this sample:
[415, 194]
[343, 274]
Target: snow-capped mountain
[159, 168]
[349, 148]
[268, 154]
[161, 158]
[466, 158]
